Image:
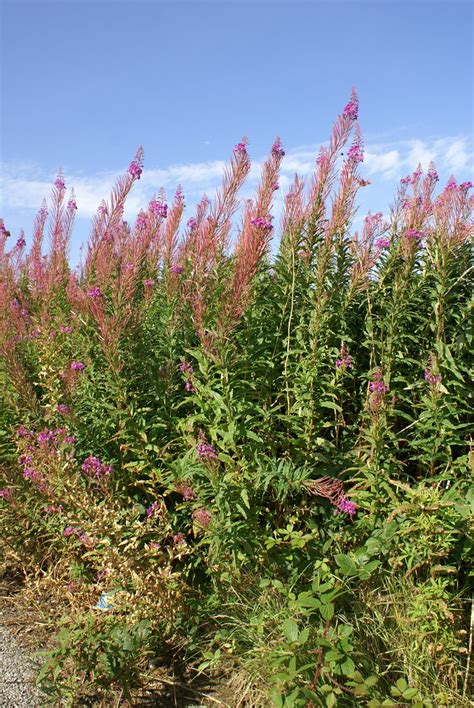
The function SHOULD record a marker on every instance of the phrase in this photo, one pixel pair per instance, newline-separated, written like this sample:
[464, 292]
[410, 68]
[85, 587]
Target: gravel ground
[17, 686]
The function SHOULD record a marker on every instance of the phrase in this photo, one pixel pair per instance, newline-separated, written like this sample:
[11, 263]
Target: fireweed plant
[262, 460]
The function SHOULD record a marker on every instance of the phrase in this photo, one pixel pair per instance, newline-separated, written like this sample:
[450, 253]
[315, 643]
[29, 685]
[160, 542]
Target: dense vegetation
[262, 460]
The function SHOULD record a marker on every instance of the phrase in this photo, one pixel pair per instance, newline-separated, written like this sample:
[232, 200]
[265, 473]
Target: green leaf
[327, 611]
[346, 564]
[290, 630]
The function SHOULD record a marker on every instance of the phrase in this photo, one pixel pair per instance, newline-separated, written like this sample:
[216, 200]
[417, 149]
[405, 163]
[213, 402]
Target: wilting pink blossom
[202, 517]
[72, 204]
[192, 223]
[6, 494]
[63, 408]
[179, 539]
[65, 329]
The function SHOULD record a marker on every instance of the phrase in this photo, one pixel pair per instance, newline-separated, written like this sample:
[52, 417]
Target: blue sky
[84, 82]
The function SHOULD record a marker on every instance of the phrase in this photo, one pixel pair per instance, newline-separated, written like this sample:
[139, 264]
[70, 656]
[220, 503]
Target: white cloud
[25, 185]
[388, 163]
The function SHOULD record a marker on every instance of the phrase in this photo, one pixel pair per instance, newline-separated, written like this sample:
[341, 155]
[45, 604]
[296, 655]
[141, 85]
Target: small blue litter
[103, 603]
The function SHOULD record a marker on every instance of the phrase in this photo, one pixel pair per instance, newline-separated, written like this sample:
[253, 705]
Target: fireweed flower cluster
[277, 149]
[152, 509]
[262, 223]
[149, 282]
[346, 506]
[430, 375]
[134, 169]
[345, 360]
[94, 292]
[159, 209]
[204, 450]
[77, 366]
[378, 389]
[185, 489]
[382, 242]
[80, 534]
[412, 234]
[241, 148]
[186, 368]
[176, 269]
[95, 469]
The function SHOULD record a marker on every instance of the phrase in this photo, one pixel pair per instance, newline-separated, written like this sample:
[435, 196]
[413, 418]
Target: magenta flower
[69, 440]
[60, 183]
[192, 223]
[63, 408]
[431, 378]
[189, 387]
[152, 509]
[378, 387]
[176, 269]
[351, 110]
[204, 450]
[149, 282]
[261, 223]
[356, 153]
[69, 531]
[72, 204]
[383, 242]
[22, 432]
[21, 243]
[277, 150]
[465, 186]
[432, 174]
[240, 148]
[346, 361]
[94, 292]
[65, 329]
[141, 222]
[77, 366]
[413, 234]
[346, 506]
[95, 469]
[135, 170]
[186, 368]
[159, 208]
